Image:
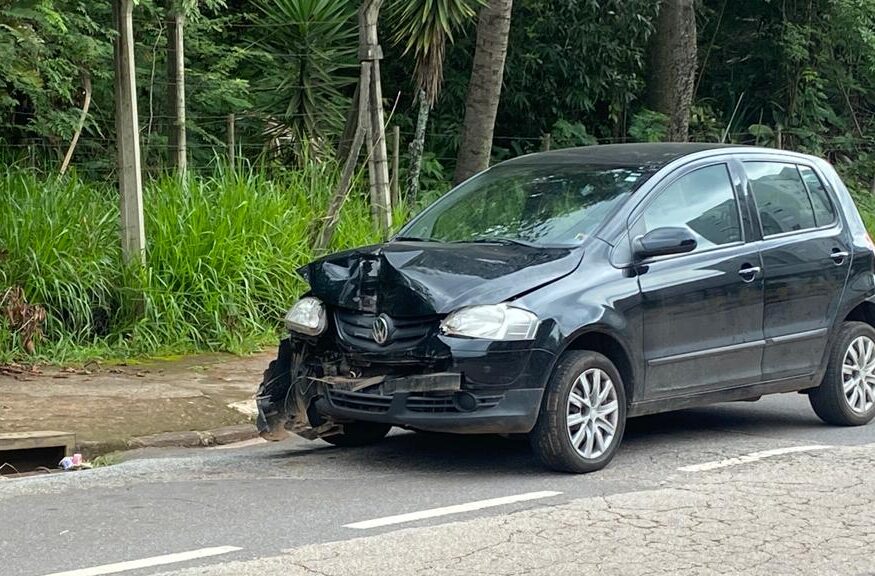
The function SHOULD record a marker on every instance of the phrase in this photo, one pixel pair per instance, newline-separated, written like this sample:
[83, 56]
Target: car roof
[652, 155]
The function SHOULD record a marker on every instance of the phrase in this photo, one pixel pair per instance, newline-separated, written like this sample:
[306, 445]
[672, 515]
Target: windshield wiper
[412, 239]
[498, 240]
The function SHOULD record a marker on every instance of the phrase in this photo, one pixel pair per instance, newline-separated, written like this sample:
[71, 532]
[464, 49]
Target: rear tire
[359, 433]
[846, 396]
[583, 414]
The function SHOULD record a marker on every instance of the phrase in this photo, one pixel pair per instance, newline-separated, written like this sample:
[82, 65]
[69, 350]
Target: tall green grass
[222, 251]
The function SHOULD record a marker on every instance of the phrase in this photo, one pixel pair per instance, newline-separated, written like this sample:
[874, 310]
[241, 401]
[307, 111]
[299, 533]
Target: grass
[221, 260]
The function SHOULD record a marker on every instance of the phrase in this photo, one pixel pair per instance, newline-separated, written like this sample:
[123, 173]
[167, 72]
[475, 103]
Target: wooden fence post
[368, 128]
[128, 136]
[548, 141]
[378, 166]
[396, 160]
[176, 79]
[232, 139]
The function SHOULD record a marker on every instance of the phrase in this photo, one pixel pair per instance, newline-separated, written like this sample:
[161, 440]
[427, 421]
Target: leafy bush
[221, 259]
[649, 126]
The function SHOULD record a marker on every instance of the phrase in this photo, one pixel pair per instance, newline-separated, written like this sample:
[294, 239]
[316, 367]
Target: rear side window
[781, 196]
[824, 213]
[703, 201]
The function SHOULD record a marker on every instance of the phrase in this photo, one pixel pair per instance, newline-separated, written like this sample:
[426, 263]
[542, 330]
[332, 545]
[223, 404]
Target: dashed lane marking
[752, 457]
[447, 510]
[149, 562]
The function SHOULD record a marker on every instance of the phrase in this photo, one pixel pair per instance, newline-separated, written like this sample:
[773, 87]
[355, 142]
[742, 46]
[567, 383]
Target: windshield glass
[558, 204]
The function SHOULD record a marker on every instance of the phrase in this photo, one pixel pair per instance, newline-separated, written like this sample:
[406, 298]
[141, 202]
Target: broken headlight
[493, 322]
[307, 316]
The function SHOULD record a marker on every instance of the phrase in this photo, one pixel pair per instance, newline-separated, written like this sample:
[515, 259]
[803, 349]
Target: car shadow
[729, 418]
[426, 452]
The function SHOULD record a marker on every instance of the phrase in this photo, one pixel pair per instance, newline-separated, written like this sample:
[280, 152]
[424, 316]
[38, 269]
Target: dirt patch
[110, 405]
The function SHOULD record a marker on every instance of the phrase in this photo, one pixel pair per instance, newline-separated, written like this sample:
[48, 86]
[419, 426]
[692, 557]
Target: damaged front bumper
[476, 390]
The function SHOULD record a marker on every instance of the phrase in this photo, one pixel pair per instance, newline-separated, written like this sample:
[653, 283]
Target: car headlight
[493, 322]
[307, 316]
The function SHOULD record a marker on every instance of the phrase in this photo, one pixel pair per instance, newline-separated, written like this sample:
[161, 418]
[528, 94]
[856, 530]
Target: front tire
[846, 397]
[583, 415]
[359, 433]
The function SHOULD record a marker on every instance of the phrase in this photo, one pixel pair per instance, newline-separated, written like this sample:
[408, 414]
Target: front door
[702, 312]
[806, 260]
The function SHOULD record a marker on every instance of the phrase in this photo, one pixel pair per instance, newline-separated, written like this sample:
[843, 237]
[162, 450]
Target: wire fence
[257, 137]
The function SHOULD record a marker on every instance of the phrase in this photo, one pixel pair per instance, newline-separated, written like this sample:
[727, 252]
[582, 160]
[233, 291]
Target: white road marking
[752, 457]
[149, 562]
[456, 509]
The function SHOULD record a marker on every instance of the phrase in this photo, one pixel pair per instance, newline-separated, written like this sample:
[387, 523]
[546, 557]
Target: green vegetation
[223, 250]
[223, 244]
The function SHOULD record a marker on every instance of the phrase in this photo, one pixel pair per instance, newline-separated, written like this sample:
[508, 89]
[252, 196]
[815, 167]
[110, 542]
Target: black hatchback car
[560, 293]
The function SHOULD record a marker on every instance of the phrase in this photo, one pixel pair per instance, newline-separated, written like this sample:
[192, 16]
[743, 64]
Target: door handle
[838, 256]
[749, 273]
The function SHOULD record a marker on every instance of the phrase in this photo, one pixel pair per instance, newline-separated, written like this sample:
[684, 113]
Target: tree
[308, 54]
[673, 65]
[484, 90]
[47, 48]
[424, 28]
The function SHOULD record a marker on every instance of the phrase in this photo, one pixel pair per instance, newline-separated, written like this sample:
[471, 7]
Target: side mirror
[662, 242]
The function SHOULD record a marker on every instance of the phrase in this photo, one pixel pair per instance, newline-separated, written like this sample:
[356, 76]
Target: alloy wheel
[592, 412]
[858, 374]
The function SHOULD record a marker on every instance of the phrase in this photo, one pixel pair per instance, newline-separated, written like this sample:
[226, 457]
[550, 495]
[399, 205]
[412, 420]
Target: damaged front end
[309, 378]
[368, 345]
[285, 397]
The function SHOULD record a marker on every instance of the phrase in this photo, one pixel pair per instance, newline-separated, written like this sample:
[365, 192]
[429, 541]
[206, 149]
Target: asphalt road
[264, 500]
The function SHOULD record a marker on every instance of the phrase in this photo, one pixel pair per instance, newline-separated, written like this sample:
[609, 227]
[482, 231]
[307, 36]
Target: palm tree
[484, 91]
[309, 57]
[425, 28]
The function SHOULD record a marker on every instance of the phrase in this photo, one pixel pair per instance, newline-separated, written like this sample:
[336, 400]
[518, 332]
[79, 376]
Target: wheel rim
[592, 413]
[858, 374]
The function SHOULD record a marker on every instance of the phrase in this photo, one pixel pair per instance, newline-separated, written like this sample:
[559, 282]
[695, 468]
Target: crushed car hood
[421, 279]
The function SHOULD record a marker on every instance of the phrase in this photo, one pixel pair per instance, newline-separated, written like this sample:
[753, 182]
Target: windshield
[558, 204]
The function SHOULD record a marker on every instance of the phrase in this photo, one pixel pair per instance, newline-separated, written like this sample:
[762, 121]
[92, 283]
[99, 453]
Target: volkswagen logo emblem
[380, 330]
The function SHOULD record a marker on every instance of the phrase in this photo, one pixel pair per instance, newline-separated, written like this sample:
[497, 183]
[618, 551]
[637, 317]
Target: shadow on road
[732, 418]
[448, 453]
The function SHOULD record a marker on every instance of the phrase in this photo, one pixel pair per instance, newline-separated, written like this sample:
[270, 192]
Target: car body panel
[803, 286]
[703, 325]
[421, 278]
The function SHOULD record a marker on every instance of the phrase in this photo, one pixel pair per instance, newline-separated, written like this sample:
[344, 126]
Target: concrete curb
[217, 436]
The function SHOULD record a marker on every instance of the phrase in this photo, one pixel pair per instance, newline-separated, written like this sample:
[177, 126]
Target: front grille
[380, 403]
[376, 403]
[356, 328]
[445, 403]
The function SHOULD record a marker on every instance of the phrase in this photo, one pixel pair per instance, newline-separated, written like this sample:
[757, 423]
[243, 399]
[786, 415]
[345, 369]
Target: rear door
[806, 258]
[702, 312]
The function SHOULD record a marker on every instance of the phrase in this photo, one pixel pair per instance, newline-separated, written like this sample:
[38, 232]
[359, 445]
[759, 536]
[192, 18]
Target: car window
[702, 201]
[544, 204]
[824, 213]
[781, 197]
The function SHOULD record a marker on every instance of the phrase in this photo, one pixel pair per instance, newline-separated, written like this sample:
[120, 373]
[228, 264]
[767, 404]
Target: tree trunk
[416, 148]
[484, 90]
[673, 65]
[176, 85]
